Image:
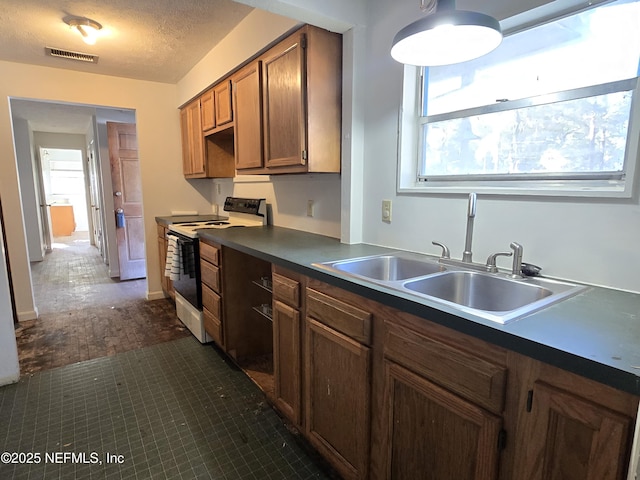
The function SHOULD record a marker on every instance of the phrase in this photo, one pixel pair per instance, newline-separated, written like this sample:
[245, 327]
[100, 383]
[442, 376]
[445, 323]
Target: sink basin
[490, 296]
[479, 291]
[387, 268]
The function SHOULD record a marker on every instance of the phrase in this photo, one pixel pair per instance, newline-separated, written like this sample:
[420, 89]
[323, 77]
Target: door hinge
[529, 400]
[303, 41]
[502, 439]
[304, 157]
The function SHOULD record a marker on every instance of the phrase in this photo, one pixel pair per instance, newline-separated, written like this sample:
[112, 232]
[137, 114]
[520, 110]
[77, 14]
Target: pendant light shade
[446, 36]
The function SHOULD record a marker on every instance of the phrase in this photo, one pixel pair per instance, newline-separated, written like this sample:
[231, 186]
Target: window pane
[586, 135]
[597, 46]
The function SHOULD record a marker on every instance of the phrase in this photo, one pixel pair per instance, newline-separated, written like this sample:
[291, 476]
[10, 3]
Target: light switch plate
[386, 211]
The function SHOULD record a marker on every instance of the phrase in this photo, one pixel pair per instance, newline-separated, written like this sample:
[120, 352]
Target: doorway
[64, 148]
[64, 185]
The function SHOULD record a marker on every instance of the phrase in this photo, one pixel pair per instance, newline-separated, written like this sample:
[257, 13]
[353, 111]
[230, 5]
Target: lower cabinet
[287, 343]
[442, 405]
[570, 428]
[433, 433]
[382, 394]
[338, 382]
[167, 285]
[210, 262]
[574, 439]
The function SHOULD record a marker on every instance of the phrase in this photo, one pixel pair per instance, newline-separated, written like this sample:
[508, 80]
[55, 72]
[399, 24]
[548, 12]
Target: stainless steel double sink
[492, 296]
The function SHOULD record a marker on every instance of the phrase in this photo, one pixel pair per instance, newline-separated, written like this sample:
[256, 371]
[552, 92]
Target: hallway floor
[84, 314]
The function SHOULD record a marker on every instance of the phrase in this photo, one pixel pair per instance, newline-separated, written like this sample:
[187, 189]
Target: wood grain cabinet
[287, 344]
[338, 381]
[223, 104]
[569, 427]
[441, 410]
[207, 110]
[207, 134]
[193, 162]
[301, 98]
[167, 285]
[247, 105]
[212, 312]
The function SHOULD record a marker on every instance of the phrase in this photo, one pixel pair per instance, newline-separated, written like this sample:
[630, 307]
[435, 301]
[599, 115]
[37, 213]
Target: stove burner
[217, 223]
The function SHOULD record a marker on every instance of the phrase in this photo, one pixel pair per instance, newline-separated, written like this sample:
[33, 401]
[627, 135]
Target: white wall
[593, 241]
[28, 189]
[9, 367]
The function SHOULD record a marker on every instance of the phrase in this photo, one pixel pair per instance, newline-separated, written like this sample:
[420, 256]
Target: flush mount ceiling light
[446, 36]
[88, 28]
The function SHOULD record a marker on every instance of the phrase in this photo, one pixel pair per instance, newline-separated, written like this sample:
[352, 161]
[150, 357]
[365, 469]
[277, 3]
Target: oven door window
[188, 286]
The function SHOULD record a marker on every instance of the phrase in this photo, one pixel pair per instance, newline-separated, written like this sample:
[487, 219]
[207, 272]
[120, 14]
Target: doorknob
[117, 194]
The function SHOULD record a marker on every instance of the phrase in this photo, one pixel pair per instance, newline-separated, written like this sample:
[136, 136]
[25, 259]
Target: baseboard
[7, 379]
[28, 315]
[157, 295]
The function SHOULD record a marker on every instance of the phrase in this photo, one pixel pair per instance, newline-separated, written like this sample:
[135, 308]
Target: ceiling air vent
[81, 57]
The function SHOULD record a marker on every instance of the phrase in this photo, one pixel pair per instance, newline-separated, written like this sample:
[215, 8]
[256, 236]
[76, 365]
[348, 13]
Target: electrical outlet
[309, 208]
[386, 211]
[218, 188]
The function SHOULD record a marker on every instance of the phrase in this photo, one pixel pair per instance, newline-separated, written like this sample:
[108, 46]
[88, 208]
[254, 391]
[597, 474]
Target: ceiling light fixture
[446, 36]
[88, 28]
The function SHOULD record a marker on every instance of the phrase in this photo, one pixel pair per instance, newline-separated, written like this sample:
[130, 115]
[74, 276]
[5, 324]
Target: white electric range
[243, 212]
[183, 257]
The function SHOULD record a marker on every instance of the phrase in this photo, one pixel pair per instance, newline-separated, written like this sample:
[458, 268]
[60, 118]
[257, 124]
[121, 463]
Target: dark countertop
[168, 220]
[595, 334]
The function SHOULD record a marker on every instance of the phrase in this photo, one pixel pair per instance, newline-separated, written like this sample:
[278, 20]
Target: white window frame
[410, 180]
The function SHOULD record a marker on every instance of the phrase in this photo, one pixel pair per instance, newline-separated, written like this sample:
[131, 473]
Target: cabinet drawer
[339, 315]
[210, 275]
[211, 301]
[210, 253]
[212, 325]
[286, 290]
[471, 377]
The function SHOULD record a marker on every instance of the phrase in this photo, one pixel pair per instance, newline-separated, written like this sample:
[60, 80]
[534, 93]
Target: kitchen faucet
[490, 266]
[471, 215]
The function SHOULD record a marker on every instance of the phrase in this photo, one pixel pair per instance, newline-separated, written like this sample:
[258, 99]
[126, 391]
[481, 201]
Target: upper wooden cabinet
[280, 113]
[207, 141]
[207, 110]
[222, 102]
[215, 106]
[301, 99]
[247, 98]
[193, 163]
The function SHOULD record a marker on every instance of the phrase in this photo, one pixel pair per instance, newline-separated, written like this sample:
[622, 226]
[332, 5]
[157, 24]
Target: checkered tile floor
[174, 410]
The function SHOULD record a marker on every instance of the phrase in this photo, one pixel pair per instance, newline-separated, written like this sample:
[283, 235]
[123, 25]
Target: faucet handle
[491, 261]
[445, 249]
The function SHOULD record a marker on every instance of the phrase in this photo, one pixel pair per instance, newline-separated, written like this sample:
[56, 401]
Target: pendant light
[446, 36]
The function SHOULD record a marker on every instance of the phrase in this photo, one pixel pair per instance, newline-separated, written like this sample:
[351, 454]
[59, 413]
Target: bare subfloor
[84, 314]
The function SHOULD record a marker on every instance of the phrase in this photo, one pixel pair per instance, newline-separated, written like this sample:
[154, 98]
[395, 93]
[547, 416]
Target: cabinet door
[207, 110]
[222, 102]
[247, 94]
[286, 359]
[573, 439]
[193, 151]
[431, 433]
[284, 113]
[337, 397]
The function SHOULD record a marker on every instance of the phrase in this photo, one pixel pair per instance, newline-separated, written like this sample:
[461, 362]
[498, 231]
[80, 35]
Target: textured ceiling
[157, 40]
